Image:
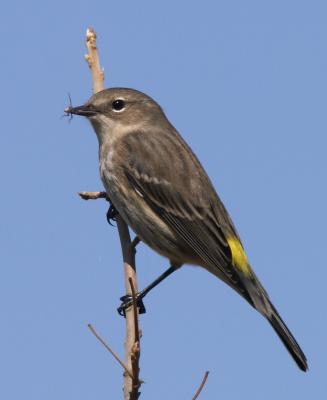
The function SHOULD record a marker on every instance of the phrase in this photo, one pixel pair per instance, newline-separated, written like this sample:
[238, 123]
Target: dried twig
[204, 380]
[135, 355]
[135, 311]
[128, 252]
[135, 242]
[92, 195]
[115, 356]
[130, 273]
[93, 61]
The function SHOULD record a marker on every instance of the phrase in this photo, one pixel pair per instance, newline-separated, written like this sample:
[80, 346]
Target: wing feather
[175, 186]
[197, 229]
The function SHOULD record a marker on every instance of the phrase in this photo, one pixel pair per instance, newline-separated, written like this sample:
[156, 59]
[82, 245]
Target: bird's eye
[118, 105]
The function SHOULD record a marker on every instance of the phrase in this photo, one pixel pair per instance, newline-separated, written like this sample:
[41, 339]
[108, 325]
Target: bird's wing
[165, 172]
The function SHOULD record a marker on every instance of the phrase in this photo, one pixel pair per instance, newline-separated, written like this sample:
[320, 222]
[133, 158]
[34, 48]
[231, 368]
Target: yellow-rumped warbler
[162, 192]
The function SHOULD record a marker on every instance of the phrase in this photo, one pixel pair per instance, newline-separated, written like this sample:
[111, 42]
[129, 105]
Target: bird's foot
[127, 301]
[111, 214]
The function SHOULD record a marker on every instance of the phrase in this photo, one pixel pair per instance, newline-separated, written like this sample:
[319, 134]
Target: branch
[115, 356]
[93, 61]
[131, 384]
[136, 349]
[204, 380]
[92, 195]
[130, 273]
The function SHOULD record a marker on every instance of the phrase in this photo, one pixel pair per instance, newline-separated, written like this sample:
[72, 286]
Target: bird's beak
[85, 110]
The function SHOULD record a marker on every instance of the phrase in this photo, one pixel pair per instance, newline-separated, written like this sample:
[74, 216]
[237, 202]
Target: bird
[159, 187]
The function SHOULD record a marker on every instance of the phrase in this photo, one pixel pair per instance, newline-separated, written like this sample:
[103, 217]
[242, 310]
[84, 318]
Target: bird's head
[116, 110]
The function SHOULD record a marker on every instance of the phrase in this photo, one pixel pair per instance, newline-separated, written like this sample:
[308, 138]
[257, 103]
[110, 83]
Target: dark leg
[127, 300]
[111, 213]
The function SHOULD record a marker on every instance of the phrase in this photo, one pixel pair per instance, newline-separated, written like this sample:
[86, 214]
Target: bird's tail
[260, 300]
[287, 338]
[244, 281]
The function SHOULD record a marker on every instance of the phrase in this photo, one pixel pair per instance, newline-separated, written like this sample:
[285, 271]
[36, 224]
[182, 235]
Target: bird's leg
[111, 213]
[127, 300]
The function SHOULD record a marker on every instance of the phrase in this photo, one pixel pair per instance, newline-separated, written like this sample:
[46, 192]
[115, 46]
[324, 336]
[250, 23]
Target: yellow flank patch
[239, 258]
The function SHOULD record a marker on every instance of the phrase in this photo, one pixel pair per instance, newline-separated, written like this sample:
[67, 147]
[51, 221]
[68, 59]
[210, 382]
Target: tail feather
[287, 338]
[260, 301]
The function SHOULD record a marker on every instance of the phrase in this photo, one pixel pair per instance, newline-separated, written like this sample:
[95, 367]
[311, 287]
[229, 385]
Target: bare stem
[136, 350]
[92, 195]
[135, 311]
[203, 382]
[92, 58]
[131, 382]
[115, 356]
[135, 242]
[130, 391]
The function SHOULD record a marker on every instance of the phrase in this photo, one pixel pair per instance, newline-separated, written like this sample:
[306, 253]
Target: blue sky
[245, 84]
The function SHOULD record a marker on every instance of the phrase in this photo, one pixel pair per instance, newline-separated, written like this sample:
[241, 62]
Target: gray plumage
[162, 192]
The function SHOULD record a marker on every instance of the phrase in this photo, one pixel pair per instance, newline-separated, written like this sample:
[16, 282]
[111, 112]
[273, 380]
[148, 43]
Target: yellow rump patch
[239, 258]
